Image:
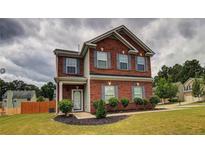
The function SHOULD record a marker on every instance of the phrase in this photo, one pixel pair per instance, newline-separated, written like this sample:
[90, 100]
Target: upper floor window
[123, 62]
[71, 65]
[102, 59]
[137, 92]
[140, 63]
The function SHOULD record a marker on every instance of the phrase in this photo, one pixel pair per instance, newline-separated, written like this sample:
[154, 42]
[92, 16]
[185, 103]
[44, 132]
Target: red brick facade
[124, 90]
[116, 47]
[60, 66]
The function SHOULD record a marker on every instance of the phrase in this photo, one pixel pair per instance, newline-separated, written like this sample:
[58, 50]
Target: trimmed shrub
[100, 109]
[125, 102]
[40, 99]
[113, 102]
[146, 101]
[65, 106]
[173, 100]
[138, 101]
[154, 100]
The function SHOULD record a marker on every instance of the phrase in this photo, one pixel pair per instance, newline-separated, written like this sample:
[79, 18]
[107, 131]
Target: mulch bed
[93, 121]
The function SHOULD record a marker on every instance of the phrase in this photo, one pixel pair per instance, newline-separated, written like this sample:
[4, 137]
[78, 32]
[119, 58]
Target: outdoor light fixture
[138, 84]
[109, 83]
[123, 52]
[102, 49]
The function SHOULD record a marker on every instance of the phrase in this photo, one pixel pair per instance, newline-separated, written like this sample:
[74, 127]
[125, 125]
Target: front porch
[73, 88]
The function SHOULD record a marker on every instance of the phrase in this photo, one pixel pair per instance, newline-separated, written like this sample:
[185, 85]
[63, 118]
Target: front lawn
[187, 121]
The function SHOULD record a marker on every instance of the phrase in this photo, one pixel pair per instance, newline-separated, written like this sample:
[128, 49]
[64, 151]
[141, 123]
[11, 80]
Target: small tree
[197, 89]
[65, 106]
[125, 102]
[100, 111]
[165, 89]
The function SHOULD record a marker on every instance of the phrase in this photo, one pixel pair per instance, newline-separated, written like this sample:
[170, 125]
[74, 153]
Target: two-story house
[114, 64]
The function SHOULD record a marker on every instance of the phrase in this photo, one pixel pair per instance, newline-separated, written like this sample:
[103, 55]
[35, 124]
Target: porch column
[60, 91]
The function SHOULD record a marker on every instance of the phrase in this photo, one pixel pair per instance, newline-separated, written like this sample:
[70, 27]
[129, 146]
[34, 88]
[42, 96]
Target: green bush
[95, 104]
[125, 102]
[100, 110]
[173, 100]
[146, 101]
[65, 106]
[113, 102]
[138, 101]
[154, 100]
[40, 99]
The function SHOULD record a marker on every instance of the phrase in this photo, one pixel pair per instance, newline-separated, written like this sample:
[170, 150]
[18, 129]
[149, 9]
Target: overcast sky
[26, 45]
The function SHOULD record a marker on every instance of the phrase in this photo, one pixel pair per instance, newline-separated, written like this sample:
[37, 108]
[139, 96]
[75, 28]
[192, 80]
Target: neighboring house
[188, 91]
[12, 99]
[114, 64]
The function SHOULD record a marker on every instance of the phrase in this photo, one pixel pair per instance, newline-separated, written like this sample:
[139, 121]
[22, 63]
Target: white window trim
[102, 60]
[105, 91]
[127, 62]
[141, 91]
[144, 64]
[68, 65]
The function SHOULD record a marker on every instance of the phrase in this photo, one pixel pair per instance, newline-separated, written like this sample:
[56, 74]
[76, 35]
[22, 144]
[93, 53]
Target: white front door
[77, 97]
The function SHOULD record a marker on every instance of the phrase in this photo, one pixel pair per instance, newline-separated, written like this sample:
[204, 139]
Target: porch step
[83, 115]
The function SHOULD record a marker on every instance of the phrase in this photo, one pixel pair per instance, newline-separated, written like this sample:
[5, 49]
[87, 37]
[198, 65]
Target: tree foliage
[197, 88]
[180, 73]
[47, 90]
[165, 89]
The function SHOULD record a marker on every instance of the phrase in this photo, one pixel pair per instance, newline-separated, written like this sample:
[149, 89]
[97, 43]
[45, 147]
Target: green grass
[187, 121]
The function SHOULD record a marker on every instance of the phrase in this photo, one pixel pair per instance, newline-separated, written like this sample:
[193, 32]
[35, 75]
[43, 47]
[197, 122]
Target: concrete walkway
[162, 108]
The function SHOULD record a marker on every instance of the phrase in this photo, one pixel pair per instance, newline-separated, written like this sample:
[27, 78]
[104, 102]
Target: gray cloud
[27, 45]
[9, 29]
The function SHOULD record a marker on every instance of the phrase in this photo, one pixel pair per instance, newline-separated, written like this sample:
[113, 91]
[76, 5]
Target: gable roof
[115, 32]
[20, 94]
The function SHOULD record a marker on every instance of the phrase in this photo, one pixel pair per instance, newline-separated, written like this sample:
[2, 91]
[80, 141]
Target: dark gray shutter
[143, 92]
[109, 59]
[136, 62]
[118, 61]
[78, 66]
[95, 59]
[129, 62]
[146, 63]
[64, 65]
[103, 92]
[116, 91]
[133, 93]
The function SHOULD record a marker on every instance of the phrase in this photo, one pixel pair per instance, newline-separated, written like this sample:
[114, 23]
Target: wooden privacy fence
[38, 107]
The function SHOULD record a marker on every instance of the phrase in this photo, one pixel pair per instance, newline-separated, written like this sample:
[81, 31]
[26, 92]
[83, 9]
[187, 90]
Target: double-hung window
[102, 59]
[137, 92]
[140, 64]
[109, 92]
[71, 65]
[123, 61]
